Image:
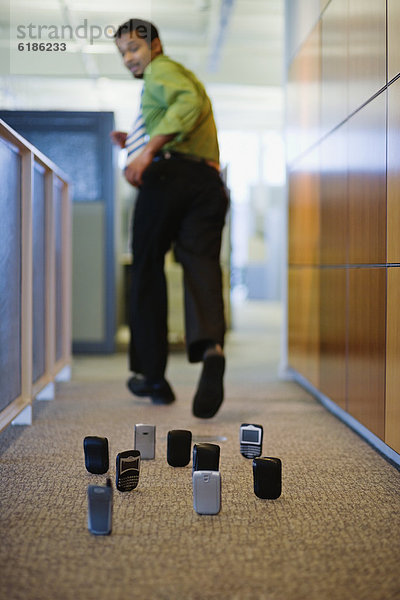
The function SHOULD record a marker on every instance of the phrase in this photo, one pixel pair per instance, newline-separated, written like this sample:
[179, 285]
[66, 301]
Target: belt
[172, 155]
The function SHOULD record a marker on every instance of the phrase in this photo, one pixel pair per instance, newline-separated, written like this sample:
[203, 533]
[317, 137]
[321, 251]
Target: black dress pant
[183, 204]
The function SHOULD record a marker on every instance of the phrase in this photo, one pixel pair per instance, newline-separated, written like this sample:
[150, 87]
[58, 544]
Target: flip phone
[145, 441]
[96, 454]
[100, 508]
[128, 468]
[207, 492]
[206, 457]
[267, 477]
[179, 442]
[251, 437]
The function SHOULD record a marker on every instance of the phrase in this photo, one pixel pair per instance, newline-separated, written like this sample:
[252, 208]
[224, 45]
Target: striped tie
[137, 138]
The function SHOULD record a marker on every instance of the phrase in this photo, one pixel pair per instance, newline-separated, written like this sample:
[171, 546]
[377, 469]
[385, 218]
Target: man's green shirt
[175, 101]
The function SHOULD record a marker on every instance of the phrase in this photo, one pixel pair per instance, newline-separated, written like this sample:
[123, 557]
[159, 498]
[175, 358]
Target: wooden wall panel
[392, 434]
[393, 183]
[304, 96]
[333, 338]
[333, 199]
[300, 18]
[304, 228]
[366, 363]
[334, 58]
[344, 208]
[367, 50]
[304, 322]
[393, 38]
[367, 183]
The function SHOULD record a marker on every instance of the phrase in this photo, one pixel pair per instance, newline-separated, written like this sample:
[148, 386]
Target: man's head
[138, 42]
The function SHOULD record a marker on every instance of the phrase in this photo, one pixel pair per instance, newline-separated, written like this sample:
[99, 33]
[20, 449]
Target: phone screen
[128, 463]
[251, 436]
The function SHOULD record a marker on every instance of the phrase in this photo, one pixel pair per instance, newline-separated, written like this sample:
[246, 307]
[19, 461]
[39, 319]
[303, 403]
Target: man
[181, 202]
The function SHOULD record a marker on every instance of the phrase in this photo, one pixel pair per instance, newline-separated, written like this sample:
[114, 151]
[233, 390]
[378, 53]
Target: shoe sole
[210, 391]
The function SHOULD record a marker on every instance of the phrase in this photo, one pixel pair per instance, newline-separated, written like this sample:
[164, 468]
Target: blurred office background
[236, 47]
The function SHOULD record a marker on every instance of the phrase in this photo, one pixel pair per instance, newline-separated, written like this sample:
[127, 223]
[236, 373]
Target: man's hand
[118, 138]
[135, 169]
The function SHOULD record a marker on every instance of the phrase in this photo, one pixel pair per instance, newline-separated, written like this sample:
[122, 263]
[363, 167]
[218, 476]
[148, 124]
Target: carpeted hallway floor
[334, 534]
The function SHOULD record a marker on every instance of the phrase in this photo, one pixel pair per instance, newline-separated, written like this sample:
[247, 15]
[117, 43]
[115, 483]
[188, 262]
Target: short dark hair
[143, 29]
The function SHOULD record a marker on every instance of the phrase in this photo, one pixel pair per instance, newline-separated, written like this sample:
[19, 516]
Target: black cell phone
[251, 437]
[128, 468]
[100, 508]
[179, 443]
[96, 454]
[267, 477]
[206, 457]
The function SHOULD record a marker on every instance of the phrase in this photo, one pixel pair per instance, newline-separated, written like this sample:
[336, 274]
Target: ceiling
[237, 42]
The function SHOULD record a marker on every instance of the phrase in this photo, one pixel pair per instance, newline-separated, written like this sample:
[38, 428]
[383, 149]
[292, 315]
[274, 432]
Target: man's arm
[134, 170]
[179, 94]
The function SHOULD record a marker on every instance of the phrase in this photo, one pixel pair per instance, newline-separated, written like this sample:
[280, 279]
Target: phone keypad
[250, 451]
[128, 482]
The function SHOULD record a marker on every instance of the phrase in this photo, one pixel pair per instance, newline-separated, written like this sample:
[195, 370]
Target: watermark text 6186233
[42, 46]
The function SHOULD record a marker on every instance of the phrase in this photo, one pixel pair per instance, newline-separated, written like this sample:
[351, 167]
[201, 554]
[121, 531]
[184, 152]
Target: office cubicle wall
[79, 143]
[35, 273]
[10, 269]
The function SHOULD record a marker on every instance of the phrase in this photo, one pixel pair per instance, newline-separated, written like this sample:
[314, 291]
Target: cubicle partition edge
[35, 275]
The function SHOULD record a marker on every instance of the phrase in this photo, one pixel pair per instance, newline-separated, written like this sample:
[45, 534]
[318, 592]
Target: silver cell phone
[100, 508]
[145, 441]
[251, 437]
[207, 492]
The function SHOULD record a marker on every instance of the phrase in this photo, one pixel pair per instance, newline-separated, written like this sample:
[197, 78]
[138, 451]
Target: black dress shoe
[210, 390]
[160, 392]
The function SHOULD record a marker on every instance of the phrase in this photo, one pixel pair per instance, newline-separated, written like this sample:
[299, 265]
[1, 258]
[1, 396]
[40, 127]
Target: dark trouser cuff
[197, 349]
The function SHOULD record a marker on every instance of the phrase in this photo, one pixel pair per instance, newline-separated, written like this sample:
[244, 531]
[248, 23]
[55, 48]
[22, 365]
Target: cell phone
[207, 492]
[100, 508]
[267, 477]
[96, 454]
[128, 469]
[179, 443]
[145, 441]
[251, 437]
[206, 457]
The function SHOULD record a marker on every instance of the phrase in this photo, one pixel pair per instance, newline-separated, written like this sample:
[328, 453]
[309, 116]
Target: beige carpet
[334, 534]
